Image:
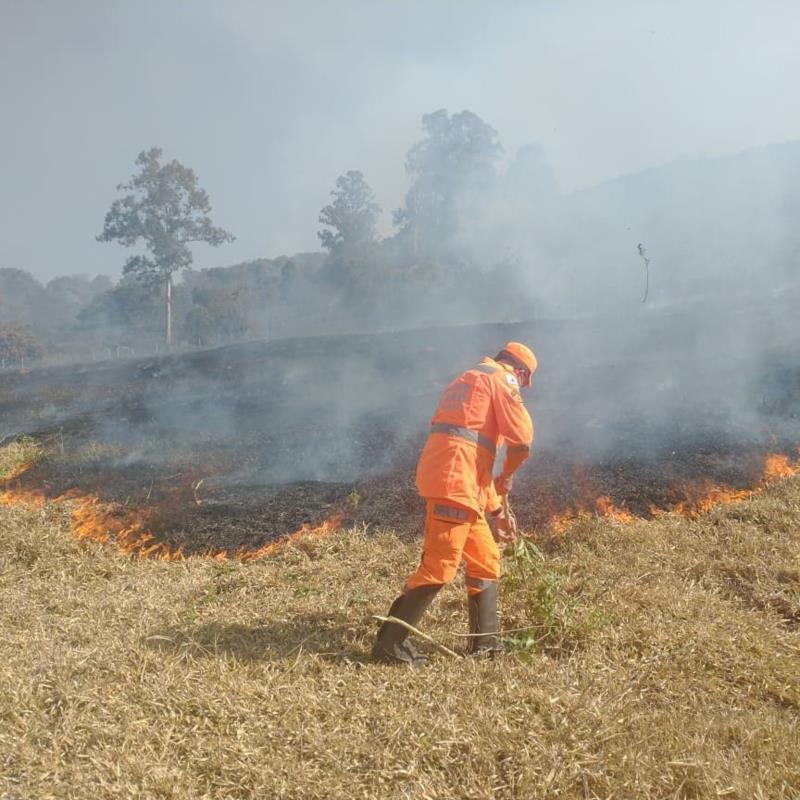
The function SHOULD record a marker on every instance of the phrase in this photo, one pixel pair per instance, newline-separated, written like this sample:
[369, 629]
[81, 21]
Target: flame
[704, 496]
[25, 497]
[93, 520]
[333, 523]
[130, 530]
[102, 522]
[691, 500]
[778, 466]
[605, 508]
[601, 506]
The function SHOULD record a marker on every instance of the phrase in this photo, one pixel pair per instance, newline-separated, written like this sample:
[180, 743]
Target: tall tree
[453, 170]
[351, 239]
[352, 216]
[164, 210]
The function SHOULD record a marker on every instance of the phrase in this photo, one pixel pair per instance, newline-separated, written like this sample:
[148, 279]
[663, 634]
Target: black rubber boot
[483, 620]
[392, 645]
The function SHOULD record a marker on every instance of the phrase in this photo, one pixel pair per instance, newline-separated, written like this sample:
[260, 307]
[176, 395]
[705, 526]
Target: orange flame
[306, 531]
[130, 530]
[780, 466]
[601, 506]
[691, 500]
[93, 520]
[605, 508]
[704, 496]
[24, 497]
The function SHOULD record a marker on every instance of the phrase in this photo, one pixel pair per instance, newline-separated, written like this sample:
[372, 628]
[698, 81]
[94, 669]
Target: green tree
[22, 298]
[77, 291]
[164, 210]
[353, 216]
[18, 342]
[351, 237]
[200, 326]
[453, 171]
[225, 313]
[130, 307]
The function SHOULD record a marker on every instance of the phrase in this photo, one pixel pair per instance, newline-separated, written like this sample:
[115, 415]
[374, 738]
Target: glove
[503, 483]
[504, 526]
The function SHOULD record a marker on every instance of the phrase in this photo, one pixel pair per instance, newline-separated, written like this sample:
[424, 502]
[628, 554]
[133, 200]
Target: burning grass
[689, 498]
[130, 530]
[18, 456]
[659, 659]
[143, 528]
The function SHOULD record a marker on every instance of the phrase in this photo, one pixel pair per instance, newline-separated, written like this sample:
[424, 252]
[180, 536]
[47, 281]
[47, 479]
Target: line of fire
[233, 452]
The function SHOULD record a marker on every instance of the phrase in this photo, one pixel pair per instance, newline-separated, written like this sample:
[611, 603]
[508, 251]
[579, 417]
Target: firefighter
[479, 411]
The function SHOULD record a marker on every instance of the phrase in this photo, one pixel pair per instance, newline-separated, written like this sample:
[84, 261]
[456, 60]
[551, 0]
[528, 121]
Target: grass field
[661, 659]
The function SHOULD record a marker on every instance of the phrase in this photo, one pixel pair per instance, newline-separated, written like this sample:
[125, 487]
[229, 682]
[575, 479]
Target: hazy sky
[270, 101]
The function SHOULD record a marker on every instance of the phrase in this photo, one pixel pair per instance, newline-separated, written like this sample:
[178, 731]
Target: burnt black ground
[235, 446]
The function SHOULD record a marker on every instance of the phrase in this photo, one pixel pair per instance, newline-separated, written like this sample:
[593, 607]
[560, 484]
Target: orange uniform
[480, 410]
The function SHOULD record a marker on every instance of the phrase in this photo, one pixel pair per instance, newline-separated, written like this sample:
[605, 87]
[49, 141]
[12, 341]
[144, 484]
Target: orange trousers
[452, 532]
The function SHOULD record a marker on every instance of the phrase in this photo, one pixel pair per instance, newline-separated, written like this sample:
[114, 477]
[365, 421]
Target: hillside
[719, 231]
[716, 229]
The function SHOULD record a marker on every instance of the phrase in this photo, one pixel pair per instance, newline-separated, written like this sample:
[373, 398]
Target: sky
[270, 101]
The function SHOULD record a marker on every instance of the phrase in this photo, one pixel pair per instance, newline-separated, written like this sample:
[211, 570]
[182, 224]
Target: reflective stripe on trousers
[478, 583]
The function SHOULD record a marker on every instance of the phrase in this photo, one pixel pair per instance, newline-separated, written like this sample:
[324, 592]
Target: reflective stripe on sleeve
[464, 433]
[486, 369]
[518, 448]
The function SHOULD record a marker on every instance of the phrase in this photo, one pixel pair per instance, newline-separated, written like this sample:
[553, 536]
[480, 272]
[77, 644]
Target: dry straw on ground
[663, 662]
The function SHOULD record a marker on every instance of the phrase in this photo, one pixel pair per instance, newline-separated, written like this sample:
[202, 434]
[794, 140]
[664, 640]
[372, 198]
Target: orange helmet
[524, 355]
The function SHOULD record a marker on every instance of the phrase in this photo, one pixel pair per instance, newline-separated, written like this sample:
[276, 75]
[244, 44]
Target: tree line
[473, 240]
[428, 270]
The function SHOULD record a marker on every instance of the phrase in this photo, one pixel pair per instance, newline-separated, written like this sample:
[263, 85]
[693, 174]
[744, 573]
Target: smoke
[270, 102]
[544, 249]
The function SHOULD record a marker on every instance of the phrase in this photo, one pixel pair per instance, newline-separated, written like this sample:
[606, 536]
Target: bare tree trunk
[168, 312]
[416, 225]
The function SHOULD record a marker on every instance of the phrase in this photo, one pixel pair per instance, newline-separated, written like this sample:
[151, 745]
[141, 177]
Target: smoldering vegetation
[662, 307]
[237, 445]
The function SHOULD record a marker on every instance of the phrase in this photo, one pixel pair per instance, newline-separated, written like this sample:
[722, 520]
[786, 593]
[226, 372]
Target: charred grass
[658, 659]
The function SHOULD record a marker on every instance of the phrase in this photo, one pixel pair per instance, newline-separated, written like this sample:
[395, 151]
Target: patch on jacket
[511, 379]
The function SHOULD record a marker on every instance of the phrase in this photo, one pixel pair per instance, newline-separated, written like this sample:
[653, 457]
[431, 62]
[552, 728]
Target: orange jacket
[479, 411]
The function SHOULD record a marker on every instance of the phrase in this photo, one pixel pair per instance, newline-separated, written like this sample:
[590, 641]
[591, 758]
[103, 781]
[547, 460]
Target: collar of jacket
[492, 363]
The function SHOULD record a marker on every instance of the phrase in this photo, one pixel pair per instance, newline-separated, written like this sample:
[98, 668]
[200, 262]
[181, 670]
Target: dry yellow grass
[665, 664]
[17, 455]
